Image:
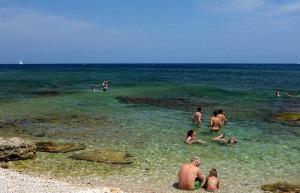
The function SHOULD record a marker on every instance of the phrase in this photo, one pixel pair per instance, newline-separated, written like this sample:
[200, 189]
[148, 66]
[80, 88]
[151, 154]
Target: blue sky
[87, 31]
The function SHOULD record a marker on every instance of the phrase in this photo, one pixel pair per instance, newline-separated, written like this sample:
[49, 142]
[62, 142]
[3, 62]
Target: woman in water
[191, 138]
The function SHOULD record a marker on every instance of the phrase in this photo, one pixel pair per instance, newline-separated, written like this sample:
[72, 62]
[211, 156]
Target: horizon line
[124, 63]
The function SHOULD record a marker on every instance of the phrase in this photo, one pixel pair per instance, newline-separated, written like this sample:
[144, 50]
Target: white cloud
[291, 7]
[245, 5]
[237, 6]
[249, 6]
[37, 35]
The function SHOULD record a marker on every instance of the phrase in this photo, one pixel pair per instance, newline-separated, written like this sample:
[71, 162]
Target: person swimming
[105, 85]
[191, 138]
[93, 88]
[221, 138]
[212, 182]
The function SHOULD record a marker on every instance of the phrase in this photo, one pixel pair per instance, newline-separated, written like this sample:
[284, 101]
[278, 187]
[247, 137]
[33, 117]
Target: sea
[55, 102]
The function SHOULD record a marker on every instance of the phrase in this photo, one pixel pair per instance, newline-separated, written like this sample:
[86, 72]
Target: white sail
[20, 62]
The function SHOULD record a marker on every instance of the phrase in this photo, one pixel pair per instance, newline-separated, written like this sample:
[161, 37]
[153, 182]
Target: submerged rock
[4, 165]
[58, 125]
[290, 117]
[106, 156]
[46, 93]
[281, 187]
[173, 103]
[16, 149]
[52, 147]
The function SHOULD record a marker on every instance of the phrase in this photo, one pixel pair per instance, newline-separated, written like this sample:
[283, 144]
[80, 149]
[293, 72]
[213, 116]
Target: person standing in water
[215, 122]
[189, 176]
[197, 116]
[222, 117]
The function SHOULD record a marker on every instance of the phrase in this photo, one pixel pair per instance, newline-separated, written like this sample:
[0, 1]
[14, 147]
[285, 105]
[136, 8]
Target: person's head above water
[232, 140]
[190, 133]
[220, 111]
[213, 172]
[215, 113]
[199, 109]
[196, 161]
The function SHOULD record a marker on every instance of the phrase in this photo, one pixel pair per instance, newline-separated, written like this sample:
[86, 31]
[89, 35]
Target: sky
[146, 31]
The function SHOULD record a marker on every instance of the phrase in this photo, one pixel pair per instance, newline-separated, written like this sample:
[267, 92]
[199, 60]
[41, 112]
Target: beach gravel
[15, 182]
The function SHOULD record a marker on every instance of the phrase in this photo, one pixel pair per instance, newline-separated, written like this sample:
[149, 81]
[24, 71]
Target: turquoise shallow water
[267, 151]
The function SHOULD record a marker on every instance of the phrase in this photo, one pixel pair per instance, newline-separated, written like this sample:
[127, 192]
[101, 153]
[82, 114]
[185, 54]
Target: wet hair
[213, 172]
[199, 109]
[232, 138]
[220, 111]
[190, 133]
[215, 113]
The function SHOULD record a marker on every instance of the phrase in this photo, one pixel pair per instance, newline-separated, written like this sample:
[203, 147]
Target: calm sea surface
[267, 150]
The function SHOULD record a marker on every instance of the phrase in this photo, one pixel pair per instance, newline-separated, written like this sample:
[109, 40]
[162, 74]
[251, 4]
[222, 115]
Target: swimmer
[197, 116]
[93, 88]
[105, 85]
[229, 141]
[222, 117]
[189, 176]
[191, 138]
[212, 182]
[215, 122]
[277, 93]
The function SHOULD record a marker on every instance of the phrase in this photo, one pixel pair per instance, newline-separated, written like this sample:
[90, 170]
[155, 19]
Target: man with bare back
[189, 176]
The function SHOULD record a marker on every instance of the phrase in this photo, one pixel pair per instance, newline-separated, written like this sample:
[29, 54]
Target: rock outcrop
[52, 147]
[106, 156]
[172, 103]
[281, 187]
[16, 149]
[288, 117]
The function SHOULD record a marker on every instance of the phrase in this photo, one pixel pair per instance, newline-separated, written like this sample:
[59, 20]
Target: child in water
[212, 182]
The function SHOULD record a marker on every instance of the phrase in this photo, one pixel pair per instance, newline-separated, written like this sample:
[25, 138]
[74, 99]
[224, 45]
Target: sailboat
[20, 62]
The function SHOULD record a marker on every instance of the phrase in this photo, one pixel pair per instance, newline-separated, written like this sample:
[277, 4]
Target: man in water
[189, 176]
[215, 122]
[197, 116]
[222, 117]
